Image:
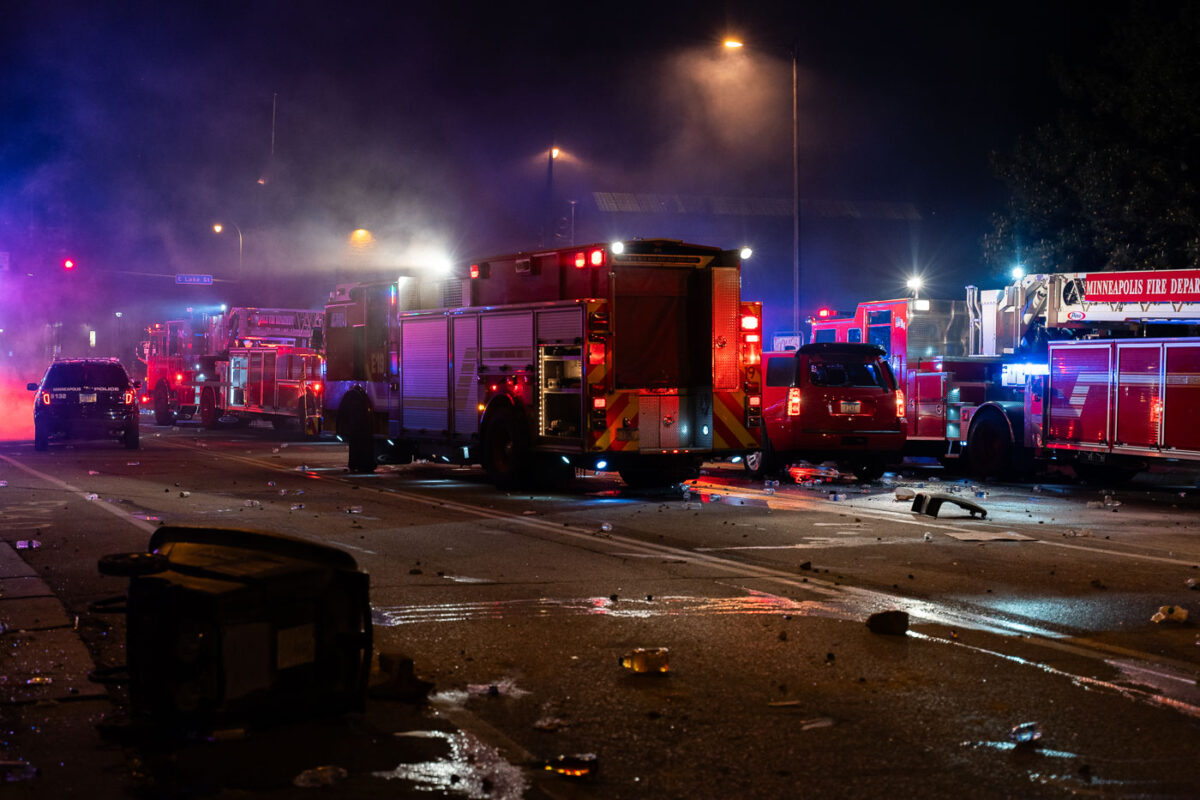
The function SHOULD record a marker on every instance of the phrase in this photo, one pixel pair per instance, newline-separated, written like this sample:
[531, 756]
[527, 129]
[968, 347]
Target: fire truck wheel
[41, 438]
[506, 448]
[762, 463]
[989, 449]
[209, 417]
[162, 405]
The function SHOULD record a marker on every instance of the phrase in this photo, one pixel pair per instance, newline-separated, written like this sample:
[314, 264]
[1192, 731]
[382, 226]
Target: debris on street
[581, 765]
[929, 503]
[316, 777]
[646, 659]
[888, 623]
[1170, 614]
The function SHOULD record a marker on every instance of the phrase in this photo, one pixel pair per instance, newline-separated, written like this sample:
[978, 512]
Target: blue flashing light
[600, 465]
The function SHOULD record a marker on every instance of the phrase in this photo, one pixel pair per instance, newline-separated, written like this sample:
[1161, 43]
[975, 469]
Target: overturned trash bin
[227, 625]
[929, 503]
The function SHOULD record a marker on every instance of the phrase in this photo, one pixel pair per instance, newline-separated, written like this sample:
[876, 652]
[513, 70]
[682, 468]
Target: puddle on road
[472, 769]
[629, 608]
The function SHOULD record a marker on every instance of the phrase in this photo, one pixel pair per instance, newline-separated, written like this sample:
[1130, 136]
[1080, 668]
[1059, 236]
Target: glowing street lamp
[218, 228]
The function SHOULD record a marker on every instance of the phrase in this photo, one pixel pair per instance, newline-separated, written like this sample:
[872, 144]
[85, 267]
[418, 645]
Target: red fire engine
[246, 363]
[638, 356]
[1052, 367]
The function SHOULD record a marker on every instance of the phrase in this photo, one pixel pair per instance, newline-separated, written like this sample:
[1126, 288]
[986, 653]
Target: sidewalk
[48, 707]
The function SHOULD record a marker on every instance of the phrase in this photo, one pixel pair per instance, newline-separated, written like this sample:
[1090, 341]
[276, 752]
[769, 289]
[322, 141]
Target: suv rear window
[87, 376]
[838, 372]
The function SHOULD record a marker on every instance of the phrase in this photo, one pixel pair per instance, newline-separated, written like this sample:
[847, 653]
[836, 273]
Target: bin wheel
[128, 565]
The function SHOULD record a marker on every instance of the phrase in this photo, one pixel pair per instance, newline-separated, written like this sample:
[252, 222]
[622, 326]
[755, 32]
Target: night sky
[129, 128]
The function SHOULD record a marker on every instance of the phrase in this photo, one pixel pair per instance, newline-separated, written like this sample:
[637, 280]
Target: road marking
[1160, 559]
[117, 512]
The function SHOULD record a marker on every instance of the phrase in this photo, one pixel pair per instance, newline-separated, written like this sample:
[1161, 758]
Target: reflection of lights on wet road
[470, 769]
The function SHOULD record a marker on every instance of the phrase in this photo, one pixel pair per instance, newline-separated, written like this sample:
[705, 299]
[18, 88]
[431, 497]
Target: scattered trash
[1081, 532]
[581, 765]
[888, 623]
[769, 490]
[3, 483]
[16, 771]
[28, 544]
[93, 472]
[282, 492]
[252, 503]
[816, 722]
[502, 688]
[1170, 614]
[981, 494]
[646, 659]
[606, 526]
[837, 497]
[297, 506]
[1110, 501]
[928, 536]
[904, 493]
[133, 463]
[274, 449]
[550, 724]
[270, 483]
[354, 510]
[91, 496]
[185, 494]
[327, 775]
[39, 680]
[1192, 583]
[528, 513]
[929, 503]
[1025, 733]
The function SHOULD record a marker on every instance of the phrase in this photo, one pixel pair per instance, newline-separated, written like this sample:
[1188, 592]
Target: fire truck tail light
[749, 323]
[474, 271]
[754, 400]
[179, 377]
[793, 402]
[900, 403]
[596, 353]
[753, 337]
[580, 260]
[599, 403]
[596, 258]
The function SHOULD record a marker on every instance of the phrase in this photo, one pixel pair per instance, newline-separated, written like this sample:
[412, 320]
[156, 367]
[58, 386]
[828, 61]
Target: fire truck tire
[41, 438]
[162, 405]
[989, 449]
[506, 457]
[764, 462]
[1103, 474]
[209, 416]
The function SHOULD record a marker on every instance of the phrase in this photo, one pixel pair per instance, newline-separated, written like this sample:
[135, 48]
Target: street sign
[193, 280]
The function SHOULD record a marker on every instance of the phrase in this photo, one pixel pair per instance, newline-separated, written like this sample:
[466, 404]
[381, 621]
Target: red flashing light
[596, 354]
[599, 403]
[580, 260]
[754, 400]
[474, 271]
[68, 263]
[749, 323]
[596, 258]
[179, 377]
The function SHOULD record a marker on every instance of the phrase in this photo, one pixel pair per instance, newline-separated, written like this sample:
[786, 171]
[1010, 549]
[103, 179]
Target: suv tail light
[793, 402]
[45, 398]
[130, 397]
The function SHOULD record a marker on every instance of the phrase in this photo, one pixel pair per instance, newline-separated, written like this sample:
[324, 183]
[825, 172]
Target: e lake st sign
[185, 279]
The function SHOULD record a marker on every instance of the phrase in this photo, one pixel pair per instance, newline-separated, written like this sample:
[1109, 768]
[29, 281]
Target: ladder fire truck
[245, 363]
[1097, 370]
[638, 356]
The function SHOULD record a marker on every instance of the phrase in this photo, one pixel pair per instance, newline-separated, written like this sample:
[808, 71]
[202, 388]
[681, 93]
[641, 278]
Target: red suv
[831, 401]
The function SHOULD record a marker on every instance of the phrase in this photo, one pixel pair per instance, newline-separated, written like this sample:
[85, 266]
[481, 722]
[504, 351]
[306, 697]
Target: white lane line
[1119, 554]
[104, 504]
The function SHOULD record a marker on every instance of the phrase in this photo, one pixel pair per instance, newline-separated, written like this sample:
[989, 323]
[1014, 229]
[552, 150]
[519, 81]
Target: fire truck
[244, 363]
[637, 356]
[1097, 370]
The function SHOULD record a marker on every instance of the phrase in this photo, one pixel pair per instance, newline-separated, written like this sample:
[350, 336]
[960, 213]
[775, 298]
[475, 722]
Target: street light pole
[795, 196]
[218, 228]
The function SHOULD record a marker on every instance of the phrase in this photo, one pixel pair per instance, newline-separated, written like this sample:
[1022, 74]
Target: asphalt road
[518, 607]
